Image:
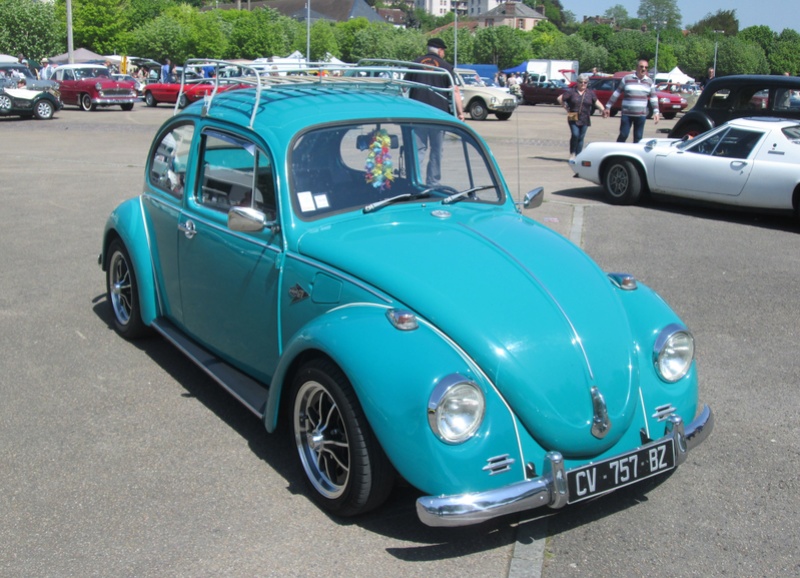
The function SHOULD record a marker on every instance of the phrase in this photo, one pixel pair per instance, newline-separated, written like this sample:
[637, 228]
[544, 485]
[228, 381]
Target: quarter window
[168, 163]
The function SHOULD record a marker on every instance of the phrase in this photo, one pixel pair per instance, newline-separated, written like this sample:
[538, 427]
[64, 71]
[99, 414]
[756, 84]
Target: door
[229, 279]
[717, 165]
[163, 199]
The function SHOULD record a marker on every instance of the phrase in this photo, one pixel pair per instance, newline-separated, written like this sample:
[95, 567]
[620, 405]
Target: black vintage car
[742, 95]
[27, 102]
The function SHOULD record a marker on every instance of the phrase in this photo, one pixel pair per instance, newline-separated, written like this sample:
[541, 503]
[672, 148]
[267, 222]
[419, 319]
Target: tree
[96, 25]
[573, 47]
[345, 33]
[30, 28]
[724, 20]
[502, 46]
[660, 13]
[785, 53]
[323, 41]
[542, 36]
[761, 35]
[619, 14]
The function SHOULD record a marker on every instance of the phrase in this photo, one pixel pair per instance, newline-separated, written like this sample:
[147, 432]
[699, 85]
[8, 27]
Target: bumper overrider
[552, 488]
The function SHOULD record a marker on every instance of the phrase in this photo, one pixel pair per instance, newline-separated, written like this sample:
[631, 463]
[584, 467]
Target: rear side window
[168, 163]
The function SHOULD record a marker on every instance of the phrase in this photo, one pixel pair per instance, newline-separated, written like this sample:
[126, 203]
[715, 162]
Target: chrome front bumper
[549, 489]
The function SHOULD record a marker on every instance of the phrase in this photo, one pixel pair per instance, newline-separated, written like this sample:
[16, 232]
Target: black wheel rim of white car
[321, 439]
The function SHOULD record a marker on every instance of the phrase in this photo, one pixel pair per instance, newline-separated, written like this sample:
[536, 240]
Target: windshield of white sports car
[370, 165]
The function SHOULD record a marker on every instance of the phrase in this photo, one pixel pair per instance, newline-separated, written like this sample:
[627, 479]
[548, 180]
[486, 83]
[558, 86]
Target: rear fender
[127, 223]
[393, 373]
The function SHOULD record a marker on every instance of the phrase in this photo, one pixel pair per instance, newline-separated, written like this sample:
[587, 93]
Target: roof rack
[374, 75]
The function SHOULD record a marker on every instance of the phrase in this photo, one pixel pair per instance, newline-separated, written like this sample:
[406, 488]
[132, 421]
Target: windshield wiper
[404, 197]
[460, 195]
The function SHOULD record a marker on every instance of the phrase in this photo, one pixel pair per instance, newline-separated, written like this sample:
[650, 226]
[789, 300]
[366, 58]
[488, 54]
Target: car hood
[536, 314]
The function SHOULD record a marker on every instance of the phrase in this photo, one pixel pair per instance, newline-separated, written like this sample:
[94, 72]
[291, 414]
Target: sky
[777, 14]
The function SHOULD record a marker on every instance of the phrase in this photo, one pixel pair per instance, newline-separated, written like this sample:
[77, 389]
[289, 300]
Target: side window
[168, 163]
[235, 173]
[719, 99]
[732, 144]
[737, 144]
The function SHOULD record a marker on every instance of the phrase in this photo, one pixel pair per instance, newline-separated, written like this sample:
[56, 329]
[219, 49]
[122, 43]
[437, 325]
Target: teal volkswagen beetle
[295, 240]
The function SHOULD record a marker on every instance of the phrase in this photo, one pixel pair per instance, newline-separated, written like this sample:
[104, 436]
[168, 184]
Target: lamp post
[455, 38]
[658, 37]
[715, 49]
[308, 31]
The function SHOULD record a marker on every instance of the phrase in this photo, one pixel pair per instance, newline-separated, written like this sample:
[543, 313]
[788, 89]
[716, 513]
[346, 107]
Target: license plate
[676, 106]
[620, 471]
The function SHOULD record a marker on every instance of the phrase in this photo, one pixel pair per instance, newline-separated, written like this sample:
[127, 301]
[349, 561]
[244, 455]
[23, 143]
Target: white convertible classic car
[748, 162]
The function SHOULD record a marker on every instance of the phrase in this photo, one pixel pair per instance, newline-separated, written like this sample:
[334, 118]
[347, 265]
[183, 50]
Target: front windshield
[360, 166]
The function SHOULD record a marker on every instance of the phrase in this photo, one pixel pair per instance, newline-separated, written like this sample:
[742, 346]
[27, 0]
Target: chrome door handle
[188, 229]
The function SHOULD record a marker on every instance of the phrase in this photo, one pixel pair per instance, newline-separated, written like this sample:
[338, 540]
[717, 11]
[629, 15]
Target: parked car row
[669, 104]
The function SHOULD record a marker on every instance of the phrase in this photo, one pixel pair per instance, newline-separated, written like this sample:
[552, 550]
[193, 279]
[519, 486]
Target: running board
[252, 393]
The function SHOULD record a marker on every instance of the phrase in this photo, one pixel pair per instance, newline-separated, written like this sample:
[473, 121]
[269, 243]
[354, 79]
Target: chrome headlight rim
[456, 409]
[673, 353]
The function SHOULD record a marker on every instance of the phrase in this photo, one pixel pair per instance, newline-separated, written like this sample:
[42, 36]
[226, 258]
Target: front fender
[393, 373]
[127, 222]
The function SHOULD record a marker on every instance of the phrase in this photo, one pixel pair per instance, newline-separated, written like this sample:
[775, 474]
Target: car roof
[744, 79]
[282, 106]
[83, 66]
[762, 122]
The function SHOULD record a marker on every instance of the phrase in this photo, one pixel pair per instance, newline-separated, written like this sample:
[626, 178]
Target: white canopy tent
[674, 75]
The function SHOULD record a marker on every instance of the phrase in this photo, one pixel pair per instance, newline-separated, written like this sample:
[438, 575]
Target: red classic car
[669, 104]
[90, 85]
[542, 92]
[193, 90]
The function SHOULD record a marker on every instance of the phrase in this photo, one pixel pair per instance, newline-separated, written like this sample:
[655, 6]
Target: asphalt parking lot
[122, 459]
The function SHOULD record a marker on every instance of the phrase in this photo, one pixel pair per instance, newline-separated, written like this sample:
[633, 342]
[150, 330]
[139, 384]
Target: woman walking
[579, 102]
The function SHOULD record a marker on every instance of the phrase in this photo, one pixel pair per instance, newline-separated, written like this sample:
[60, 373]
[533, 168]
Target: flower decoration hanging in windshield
[379, 161]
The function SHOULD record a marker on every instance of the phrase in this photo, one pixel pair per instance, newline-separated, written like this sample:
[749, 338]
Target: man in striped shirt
[636, 90]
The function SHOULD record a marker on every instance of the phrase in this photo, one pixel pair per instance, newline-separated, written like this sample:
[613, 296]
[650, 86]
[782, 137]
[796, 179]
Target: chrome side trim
[550, 489]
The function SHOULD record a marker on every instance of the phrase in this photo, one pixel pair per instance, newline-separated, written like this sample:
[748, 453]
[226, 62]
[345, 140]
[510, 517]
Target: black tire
[122, 292]
[183, 102]
[614, 112]
[670, 115]
[690, 130]
[149, 99]
[622, 182]
[86, 102]
[346, 470]
[478, 110]
[127, 106]
[503, 115]
[43, 110]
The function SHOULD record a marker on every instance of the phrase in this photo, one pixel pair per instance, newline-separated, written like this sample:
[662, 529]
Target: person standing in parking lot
[579, 102]
[637, 90]
[431, 140]
[166, 71]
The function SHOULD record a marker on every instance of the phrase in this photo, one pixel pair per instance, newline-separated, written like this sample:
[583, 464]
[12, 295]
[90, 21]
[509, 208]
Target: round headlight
[98, 86]
[673, 352]
[455, 409]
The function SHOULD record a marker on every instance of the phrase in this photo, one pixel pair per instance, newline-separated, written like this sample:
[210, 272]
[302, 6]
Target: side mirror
[534, 198]
[248, 220]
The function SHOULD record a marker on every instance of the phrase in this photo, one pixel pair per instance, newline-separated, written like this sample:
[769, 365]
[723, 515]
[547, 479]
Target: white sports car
[749, 162]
